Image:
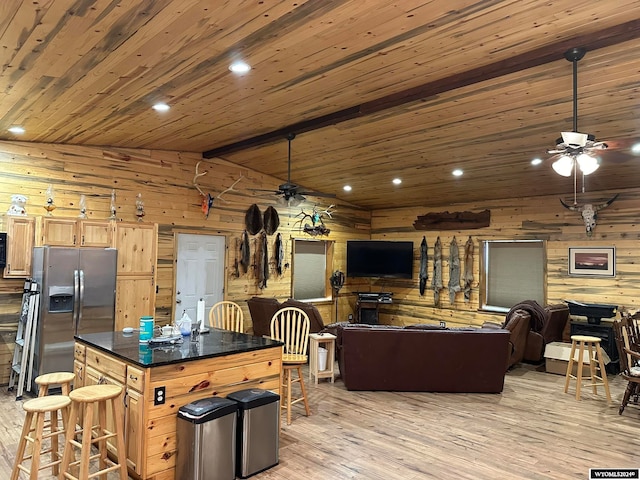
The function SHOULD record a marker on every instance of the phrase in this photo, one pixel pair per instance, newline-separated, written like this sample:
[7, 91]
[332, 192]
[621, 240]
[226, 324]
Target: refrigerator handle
[76, 300]
[81, 299]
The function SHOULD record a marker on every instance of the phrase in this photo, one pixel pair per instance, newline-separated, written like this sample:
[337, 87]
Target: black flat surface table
[216, 343]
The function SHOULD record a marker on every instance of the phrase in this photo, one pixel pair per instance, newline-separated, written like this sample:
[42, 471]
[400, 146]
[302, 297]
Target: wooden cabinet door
[95, 233]
[137, 246]
[78, 369]
[135, 297]
[20, 236]
[61, 232]
[133, 430]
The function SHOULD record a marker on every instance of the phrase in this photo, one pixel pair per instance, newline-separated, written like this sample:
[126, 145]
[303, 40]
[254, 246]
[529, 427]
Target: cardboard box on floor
[556, 356]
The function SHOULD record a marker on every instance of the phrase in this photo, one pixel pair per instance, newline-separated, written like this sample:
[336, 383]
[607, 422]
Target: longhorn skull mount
[589, 212]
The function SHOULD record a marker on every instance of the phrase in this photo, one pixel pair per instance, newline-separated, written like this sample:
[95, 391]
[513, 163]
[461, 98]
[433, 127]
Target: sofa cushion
[425, 326]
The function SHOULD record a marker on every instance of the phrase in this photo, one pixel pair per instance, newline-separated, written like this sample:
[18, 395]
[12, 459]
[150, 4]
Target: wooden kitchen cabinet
[135, 298]
[20, 242]
[151, 426]
[137, 248]
[136, 278]
[134, 415]
[95, 233]
[59, 232]
[72, 232]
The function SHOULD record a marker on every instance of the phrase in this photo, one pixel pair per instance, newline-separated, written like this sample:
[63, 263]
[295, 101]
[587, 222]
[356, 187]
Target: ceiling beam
[539, 56]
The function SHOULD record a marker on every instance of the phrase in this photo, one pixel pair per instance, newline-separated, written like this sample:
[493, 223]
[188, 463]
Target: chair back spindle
[227, 316]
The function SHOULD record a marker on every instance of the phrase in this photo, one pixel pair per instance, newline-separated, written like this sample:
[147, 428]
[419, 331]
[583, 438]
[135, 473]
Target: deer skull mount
[589, 212]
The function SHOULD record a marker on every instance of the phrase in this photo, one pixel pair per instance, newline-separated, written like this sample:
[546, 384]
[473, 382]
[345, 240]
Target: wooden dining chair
[227, 316]
[626, 341]
[290, 326]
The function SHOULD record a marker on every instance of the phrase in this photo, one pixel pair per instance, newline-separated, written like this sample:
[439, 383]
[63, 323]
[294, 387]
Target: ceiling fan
[290, 193]
[575, 150]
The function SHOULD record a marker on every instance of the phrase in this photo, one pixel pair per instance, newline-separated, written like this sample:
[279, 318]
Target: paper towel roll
[200, 314]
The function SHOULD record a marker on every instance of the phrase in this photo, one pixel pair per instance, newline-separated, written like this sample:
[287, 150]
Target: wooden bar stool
[592, 345]
[36, 410]
[47, 380]
[93, 397]
[64, 379]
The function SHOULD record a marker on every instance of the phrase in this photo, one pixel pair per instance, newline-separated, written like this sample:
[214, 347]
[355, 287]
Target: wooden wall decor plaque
[453, 220]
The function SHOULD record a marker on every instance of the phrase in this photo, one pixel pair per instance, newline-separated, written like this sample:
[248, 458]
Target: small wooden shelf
[327, 341]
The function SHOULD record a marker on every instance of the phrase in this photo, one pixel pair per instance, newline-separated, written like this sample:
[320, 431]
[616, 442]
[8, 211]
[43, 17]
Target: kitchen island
[158, 380]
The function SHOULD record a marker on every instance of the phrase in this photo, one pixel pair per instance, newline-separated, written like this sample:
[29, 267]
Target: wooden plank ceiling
[375, 89]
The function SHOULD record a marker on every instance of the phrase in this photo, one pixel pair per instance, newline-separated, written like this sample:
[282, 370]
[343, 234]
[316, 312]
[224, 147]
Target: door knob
[178, 300]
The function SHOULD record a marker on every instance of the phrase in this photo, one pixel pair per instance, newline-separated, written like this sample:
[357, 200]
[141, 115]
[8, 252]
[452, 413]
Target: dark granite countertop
[216, 343]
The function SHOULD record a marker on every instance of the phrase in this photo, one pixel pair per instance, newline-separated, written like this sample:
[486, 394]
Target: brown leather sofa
[262, 310]
[422, 360]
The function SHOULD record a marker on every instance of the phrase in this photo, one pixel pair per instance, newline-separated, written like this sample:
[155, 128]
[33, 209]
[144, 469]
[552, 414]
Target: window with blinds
[512, 271]
[311, 265]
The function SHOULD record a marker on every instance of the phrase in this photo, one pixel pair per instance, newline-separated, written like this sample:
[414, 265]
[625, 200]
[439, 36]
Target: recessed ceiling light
[457, 172]
[635, 148]
[17, 130]
[396, 181]
[347, 188]
[239, 67]
[536, 161]
[161, 107]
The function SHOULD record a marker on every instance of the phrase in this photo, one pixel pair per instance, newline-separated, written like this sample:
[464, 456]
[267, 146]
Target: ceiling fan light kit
[575, 148]
[563, 166]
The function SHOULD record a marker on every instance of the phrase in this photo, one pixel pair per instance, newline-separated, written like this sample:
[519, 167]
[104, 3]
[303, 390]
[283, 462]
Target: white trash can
[322, 359]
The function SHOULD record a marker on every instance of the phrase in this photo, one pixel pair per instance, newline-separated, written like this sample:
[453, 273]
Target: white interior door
[199, 273]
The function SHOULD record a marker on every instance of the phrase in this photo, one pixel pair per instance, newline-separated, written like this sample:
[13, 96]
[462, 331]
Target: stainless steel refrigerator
[77, 296]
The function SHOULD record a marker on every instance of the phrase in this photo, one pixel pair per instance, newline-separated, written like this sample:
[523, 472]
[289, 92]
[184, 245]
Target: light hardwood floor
[531, 431]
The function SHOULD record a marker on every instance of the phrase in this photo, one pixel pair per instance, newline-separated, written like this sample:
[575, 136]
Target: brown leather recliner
[315, 319]
[518, 324]
[262, 310]
[552, 331]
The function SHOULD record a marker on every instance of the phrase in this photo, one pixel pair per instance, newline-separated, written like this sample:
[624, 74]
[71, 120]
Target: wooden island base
[155, 387]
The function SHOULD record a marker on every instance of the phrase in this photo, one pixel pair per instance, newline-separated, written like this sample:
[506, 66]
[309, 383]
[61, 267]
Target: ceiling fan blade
[622, 143]
[557, 151]
[318, 194]
[266, 190]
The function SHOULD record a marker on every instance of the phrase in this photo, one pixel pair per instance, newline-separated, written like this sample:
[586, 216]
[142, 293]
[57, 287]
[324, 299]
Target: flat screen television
[379, 258]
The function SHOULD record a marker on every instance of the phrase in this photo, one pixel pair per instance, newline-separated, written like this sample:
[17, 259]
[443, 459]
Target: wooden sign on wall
[453, 221]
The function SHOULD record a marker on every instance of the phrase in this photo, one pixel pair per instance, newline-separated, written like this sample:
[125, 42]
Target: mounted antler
[327, 211]
[230, 189]
[589, 212]
[195, 177]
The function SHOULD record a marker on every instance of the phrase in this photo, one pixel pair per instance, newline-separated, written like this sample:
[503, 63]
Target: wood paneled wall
[519, 218]
[165, 180]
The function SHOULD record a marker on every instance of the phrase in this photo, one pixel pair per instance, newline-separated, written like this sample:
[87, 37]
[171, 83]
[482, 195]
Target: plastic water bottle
[185, 324]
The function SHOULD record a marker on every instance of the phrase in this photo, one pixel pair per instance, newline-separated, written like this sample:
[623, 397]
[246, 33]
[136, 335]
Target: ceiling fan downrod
[290, 137]
[574, 55]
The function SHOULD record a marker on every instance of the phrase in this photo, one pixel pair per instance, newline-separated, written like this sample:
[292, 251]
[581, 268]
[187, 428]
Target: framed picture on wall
[592, 261]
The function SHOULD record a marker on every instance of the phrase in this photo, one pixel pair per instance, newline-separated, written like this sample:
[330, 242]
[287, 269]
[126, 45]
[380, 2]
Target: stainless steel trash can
[206, 436]
[257, 430]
